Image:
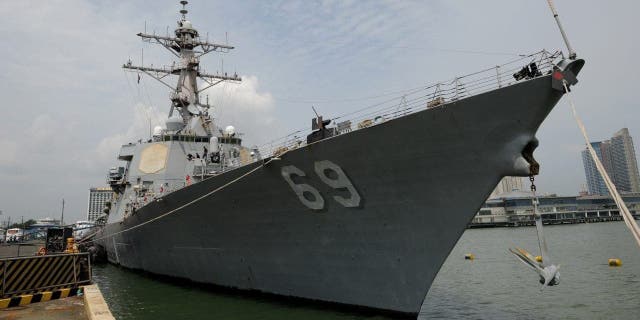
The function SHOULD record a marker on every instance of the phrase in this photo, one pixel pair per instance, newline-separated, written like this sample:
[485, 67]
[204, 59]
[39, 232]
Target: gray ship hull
[421, 179]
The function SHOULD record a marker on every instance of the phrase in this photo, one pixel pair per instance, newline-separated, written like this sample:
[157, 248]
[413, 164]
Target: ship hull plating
[420, 180]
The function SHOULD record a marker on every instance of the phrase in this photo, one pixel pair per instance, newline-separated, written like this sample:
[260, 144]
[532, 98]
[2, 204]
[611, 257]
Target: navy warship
[359, 213]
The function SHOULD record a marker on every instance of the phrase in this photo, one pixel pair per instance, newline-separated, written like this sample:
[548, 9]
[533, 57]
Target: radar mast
[188, 47]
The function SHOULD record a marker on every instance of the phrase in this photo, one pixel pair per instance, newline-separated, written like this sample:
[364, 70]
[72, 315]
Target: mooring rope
[182, 206]
[626, 215]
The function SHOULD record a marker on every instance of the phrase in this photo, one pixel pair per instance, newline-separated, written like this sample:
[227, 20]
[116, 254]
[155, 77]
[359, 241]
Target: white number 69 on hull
[329, 173]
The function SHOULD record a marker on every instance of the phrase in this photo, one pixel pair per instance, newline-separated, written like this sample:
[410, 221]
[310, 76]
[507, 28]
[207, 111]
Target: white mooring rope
[626, 215]
[182, 206]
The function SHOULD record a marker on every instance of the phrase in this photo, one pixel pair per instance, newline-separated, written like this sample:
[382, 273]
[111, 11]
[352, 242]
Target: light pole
[4, 235]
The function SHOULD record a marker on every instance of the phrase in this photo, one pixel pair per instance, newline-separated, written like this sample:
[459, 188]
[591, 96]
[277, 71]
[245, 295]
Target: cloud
[246, 107]
[36, 149]
[342, 31]
[9, 151]
[144, 118]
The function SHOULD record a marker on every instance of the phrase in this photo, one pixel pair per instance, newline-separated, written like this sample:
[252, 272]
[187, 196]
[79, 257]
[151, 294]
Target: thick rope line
[626, 215]
[182, 206]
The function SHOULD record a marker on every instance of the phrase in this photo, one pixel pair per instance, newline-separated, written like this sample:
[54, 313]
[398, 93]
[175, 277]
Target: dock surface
[28, 248]
[59, 309]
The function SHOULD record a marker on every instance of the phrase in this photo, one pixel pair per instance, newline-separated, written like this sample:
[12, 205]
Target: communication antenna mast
[184, 9]
[188, 47]
[572, 54]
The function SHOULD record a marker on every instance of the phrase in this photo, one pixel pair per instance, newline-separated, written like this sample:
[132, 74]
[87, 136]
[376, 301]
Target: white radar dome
[187, 24]
[157, 130]
[229, 130]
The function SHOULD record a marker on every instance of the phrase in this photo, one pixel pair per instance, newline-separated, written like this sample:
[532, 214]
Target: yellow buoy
[469, 256]
[615, 262]
[539, 258]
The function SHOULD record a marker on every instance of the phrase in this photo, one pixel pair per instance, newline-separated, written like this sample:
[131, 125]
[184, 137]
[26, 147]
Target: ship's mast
[187, 46]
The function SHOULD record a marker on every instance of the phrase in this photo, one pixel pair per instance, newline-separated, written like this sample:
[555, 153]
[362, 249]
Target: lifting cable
[626, 215]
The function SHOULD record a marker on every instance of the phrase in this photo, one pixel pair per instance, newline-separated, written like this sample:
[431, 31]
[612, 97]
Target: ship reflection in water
[493, 286]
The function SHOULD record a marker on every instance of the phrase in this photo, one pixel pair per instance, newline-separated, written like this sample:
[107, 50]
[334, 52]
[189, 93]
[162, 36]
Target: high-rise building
[625, 164]
[97, 199]
[619, 161]
[595, 183]
[506, 185]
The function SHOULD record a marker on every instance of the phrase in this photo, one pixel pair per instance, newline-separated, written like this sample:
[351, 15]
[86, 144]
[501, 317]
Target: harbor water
[492, 286]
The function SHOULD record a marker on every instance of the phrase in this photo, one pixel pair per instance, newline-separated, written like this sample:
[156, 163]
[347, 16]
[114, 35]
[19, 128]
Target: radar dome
[229, 130]
[157, 130]
[174, 124]
[187, 24]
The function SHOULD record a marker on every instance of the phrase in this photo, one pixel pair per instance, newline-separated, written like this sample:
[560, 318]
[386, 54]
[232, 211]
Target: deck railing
[425, 97]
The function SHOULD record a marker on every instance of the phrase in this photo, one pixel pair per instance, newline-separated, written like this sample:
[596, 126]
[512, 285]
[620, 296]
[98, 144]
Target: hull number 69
[330, 174]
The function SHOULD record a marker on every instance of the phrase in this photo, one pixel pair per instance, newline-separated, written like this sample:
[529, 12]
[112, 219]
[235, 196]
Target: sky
[68, 105]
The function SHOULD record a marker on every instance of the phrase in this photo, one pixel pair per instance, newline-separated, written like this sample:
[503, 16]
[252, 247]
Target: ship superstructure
[358, 214]
[191, 147]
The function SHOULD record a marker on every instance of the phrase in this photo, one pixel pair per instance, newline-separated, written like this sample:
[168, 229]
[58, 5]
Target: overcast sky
[68, 106]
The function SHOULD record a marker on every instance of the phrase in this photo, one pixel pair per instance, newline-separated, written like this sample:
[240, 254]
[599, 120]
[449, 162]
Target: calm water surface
[493, 286]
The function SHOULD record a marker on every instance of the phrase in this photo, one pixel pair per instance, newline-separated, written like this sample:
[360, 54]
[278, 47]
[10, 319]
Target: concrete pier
[95, 306]
[90, 305]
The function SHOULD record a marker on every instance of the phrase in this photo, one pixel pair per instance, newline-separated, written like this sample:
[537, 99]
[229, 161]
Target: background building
[516, 209]
[97, 199]
[507, 185]
[624, 162]
[595, 183]
[618, 157]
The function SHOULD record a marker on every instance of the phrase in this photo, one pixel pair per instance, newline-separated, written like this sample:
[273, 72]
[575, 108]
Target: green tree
[24, 225]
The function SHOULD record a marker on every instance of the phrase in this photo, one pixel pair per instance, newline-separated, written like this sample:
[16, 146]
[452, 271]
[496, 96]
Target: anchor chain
[534, 197]
[537, 220]
[532, 178]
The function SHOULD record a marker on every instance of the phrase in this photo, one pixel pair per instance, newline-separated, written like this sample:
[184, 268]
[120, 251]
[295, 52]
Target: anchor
[548, 272]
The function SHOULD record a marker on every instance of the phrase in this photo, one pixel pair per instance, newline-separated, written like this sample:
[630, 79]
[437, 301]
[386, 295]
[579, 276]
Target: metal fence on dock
[25, 275]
